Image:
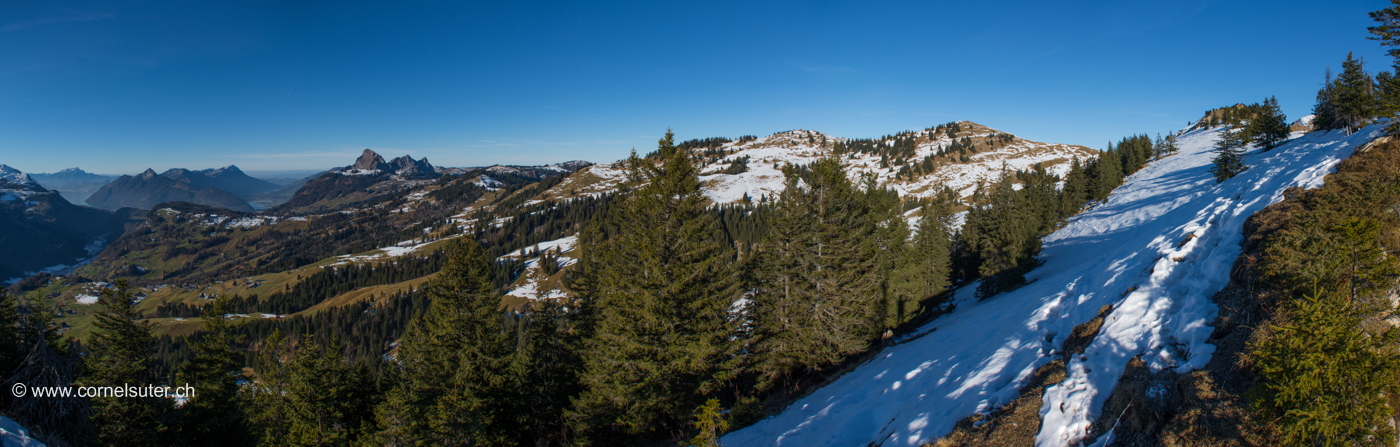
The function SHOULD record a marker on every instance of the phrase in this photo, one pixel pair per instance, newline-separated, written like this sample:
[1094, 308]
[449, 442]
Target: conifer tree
[267, 396]
[662, 339]
[326, 401]
[1354, 96]
[213, 415]
[11, 340]
[121, 355]
[1325, 377]
[459, 377]
[1270, 128]
[1229, 155]
[932, 245]
[821, 281]
[1325, 109]
[1075, 192]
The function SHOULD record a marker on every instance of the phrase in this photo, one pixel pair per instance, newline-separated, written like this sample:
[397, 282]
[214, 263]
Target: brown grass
[1017, 423]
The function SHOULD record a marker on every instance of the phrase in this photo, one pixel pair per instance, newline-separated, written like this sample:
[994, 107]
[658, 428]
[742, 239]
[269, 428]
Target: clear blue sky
[116, 87]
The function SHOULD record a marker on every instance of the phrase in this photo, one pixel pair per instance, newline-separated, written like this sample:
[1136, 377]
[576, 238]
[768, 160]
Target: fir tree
[11, 340]
[1325, 377]
[1354, 96]
[932, 246]
[326, 401]
[1270, 128]
[213, 415]
[267, 396]
[662, 338]
[821, 279]
[1325, 110]
[121, 355]
[1229, 155]
[459, 376]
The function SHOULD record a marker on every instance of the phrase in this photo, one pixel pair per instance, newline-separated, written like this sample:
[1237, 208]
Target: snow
[12, 435]
[1122, 252]
[86, 299]
[563, 245]
[762, 178]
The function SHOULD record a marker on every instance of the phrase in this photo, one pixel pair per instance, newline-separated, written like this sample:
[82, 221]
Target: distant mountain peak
[149, 174]
[72, 171]
[369, 160]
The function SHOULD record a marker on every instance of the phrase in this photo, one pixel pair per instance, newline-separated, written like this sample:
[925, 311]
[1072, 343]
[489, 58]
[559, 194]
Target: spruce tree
[326, 399]
[1325, 377]
[459, 378]
[1354, 96]
[1325, 109]
[267, 395]
[11, 340]
[663, 337]
[213, 415]
[1229, 155]
[1075, 192]
[820, 291]
[122, 354]
[932, 246]
[1270, 128]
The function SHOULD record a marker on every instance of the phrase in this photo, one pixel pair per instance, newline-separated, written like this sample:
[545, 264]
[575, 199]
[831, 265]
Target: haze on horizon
[115, 88]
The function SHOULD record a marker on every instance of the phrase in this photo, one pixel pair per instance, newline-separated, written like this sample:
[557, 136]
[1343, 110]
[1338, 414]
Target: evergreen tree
[213, 415]
[326, 402]
[459, 376]
[1325, 110]
[1075, 192]
[121, 355]
[663, 337]
[932, 245]
[821, 279]
[1229, 156]
[1270, 128]
[11, 341]
[267, 396]
[1325, 377]
[1354, 96]
[1387, 31]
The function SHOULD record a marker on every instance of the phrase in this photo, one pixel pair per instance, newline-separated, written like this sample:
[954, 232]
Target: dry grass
[1017, 423]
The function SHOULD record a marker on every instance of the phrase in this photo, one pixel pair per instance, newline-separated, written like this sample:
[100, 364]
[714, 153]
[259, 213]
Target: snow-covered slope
[766, 155]
[1124, 252]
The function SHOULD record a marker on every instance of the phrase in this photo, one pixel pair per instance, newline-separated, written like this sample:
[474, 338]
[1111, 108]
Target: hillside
[1154, 253]
[148, 189]
[958, 155]
[42, 231]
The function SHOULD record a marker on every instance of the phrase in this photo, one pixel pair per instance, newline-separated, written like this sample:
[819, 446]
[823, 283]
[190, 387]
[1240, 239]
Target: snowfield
[1122, 252]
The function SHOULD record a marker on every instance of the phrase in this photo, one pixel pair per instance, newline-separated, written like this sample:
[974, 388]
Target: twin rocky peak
[405, 166]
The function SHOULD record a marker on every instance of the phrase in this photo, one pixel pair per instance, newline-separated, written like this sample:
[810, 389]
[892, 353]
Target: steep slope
[41, 231]
[230, 179]
[1155, 251]
[148, 189]
[958, 155]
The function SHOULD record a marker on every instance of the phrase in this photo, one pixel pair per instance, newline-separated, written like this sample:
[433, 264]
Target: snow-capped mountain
[1155, 251]
[16, 185]
[41, 231]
